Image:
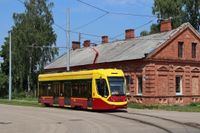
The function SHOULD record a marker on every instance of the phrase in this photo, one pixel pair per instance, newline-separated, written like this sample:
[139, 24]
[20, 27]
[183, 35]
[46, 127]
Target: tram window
[45, 89]
[49, 90]
[89, 88]
[55, 88]
[67, 88]
[78, 88]
[102, 87]
[61, 89]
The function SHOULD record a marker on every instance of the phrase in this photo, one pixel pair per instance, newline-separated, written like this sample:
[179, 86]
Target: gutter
[96, 55]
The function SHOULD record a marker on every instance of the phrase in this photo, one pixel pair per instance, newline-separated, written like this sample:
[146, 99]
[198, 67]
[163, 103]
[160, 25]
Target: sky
[81, 13]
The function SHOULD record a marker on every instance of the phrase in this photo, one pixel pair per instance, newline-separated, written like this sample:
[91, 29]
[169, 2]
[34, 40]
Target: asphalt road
[17, 119]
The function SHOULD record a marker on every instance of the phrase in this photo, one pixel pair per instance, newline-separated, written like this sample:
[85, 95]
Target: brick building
[160, 68]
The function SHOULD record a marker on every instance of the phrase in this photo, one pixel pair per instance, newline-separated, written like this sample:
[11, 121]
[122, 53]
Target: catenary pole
[10, 66]
[68, 39]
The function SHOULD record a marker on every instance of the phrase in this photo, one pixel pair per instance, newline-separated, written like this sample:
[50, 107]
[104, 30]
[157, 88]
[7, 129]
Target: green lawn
[22, 102]
[194, 107]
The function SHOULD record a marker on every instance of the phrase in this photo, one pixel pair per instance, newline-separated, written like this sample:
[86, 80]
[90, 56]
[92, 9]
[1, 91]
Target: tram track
[164, 124]
[141, 121]
[189, 124]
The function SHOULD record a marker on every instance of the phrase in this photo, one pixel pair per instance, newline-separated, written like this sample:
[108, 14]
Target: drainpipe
[96, 55]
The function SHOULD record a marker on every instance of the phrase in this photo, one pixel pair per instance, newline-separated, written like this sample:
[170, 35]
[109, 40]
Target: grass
[193, 107]
[22, 102]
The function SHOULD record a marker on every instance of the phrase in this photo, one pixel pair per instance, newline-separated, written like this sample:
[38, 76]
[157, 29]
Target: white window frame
[139, 94]
[181, 85]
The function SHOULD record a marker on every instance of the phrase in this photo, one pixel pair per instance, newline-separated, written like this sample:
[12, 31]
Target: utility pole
[10, 66]
[68, 39]
[79, 37]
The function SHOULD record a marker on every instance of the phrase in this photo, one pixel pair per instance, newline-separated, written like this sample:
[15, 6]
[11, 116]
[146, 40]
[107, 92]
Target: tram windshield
[117, 86]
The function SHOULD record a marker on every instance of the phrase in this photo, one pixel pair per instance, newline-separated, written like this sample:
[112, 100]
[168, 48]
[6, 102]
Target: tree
[179, 11]
[33, 40]
[144, 33]
[191, 12]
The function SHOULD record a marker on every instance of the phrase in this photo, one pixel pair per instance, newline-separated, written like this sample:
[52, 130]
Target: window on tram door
[102, 87]
[178, 85]
[61, 89]
[180, 49]
[89, 88]
[194, 45]
[139, 85]
[67, 89]
[56, 91]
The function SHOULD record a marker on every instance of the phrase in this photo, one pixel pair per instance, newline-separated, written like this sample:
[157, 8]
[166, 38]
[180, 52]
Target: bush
[16, 95]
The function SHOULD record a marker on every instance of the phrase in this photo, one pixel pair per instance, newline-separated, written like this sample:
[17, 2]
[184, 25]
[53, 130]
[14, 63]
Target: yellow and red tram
[102, 89]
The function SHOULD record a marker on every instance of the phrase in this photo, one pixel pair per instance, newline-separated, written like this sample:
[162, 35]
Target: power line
[131, 14]
[22, 2]
[90, 22]
[88, 34]
[100, 9]
[116, 13]
[106, 12]
[145, 24]
[135, 28]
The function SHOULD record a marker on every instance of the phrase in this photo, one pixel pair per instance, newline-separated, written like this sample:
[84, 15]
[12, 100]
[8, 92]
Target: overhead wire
[118, 35]
[22, 2]
[76, 32]
[106, 12]
[90, 22]
[100, 9]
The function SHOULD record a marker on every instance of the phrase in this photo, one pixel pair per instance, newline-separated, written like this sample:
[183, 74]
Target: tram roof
[87, 74]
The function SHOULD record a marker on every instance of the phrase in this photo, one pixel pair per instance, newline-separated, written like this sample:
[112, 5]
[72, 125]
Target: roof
[131, 49]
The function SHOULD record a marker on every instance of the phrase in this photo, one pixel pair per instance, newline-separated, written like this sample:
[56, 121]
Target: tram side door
[61, 99]
[89, 86]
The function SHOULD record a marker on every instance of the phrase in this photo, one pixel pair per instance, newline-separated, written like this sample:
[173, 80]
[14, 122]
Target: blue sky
[110, 24]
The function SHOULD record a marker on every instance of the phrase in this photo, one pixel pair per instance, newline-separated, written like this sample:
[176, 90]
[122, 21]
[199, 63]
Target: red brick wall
[171, 50]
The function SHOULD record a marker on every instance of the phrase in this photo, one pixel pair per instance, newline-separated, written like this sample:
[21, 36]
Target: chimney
[104, 39]
[75, 45]
[129, 33]
[165, 25]
[86, 43]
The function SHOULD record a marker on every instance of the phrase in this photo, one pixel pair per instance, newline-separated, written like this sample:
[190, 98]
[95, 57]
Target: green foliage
[3, 84]
[18, 95]
[193, 107]
[144, 33]
[191, 12]
[179, 11]
[33, 41]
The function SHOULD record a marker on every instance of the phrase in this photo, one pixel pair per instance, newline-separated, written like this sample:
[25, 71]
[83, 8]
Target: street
[18, 119]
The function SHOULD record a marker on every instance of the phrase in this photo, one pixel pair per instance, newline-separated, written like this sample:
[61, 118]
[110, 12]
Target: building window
[194, 45]
[180, 49]
[178, 85]
[139, 85]
[128, 83]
